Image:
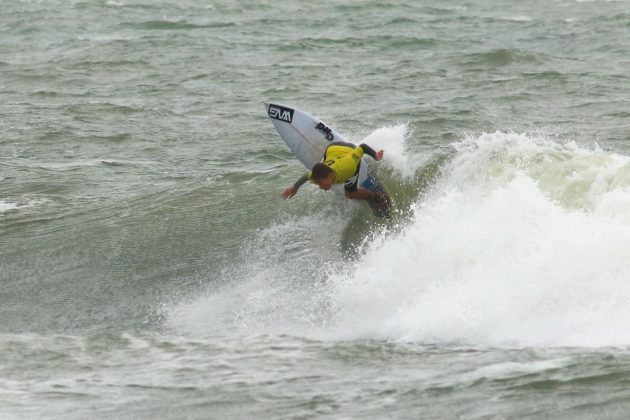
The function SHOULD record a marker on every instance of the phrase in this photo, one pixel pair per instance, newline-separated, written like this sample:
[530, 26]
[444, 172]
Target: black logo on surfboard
[326, 130]
[281, 113]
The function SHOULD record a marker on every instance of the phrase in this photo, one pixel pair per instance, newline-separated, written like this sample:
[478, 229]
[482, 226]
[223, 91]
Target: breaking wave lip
[522, 241]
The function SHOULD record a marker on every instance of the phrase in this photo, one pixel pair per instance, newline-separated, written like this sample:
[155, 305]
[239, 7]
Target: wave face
[521, 241]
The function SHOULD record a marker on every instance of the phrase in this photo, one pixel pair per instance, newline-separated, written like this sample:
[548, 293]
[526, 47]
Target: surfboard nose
[266, 106]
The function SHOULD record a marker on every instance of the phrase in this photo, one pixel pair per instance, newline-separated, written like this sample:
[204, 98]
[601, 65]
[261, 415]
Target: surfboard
[308, 137]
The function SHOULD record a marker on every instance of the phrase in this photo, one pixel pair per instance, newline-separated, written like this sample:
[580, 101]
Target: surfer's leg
[363, 185]
[362, 194]
[380, 203]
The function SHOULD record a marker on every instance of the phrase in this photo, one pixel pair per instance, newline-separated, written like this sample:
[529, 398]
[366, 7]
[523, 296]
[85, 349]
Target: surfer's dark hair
[320, 171]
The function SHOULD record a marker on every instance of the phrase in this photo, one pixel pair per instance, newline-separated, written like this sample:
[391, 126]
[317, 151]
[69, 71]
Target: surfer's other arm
[291, 191]
[371, 152]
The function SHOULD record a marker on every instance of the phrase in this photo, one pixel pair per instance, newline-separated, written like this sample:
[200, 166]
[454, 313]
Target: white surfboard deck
[306, 135]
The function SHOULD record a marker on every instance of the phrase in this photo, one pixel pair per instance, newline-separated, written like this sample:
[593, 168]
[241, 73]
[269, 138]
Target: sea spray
[393, 141]
[278, 285]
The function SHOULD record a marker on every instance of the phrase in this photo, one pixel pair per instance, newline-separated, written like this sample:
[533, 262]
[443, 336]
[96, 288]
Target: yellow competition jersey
[344, 160]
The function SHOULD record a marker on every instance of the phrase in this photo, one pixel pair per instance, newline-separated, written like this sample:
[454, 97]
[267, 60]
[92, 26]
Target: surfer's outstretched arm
[371, 152]
[291, 191]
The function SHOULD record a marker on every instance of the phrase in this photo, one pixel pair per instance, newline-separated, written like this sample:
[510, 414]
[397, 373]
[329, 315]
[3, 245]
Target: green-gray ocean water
[150, 269]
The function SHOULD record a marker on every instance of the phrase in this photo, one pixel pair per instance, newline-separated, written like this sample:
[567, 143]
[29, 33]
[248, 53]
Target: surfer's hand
[289, 192]
[379, 154]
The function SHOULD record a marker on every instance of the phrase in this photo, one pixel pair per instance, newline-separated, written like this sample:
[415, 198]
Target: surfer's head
[323, 176]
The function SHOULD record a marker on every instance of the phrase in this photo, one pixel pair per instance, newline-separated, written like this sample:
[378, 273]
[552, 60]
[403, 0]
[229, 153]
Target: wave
[81, 163]
[386, 41]
[103, 107]
[499, 57]
[520, 241]
[177, 25]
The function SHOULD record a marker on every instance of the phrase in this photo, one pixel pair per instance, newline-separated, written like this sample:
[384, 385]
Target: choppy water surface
[150, 269]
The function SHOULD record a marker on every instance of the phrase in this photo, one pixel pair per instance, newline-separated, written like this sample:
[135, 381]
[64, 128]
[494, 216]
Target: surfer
[341, 164]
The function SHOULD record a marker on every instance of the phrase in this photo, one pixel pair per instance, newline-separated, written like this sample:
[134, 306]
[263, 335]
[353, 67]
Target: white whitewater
[522, 241]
